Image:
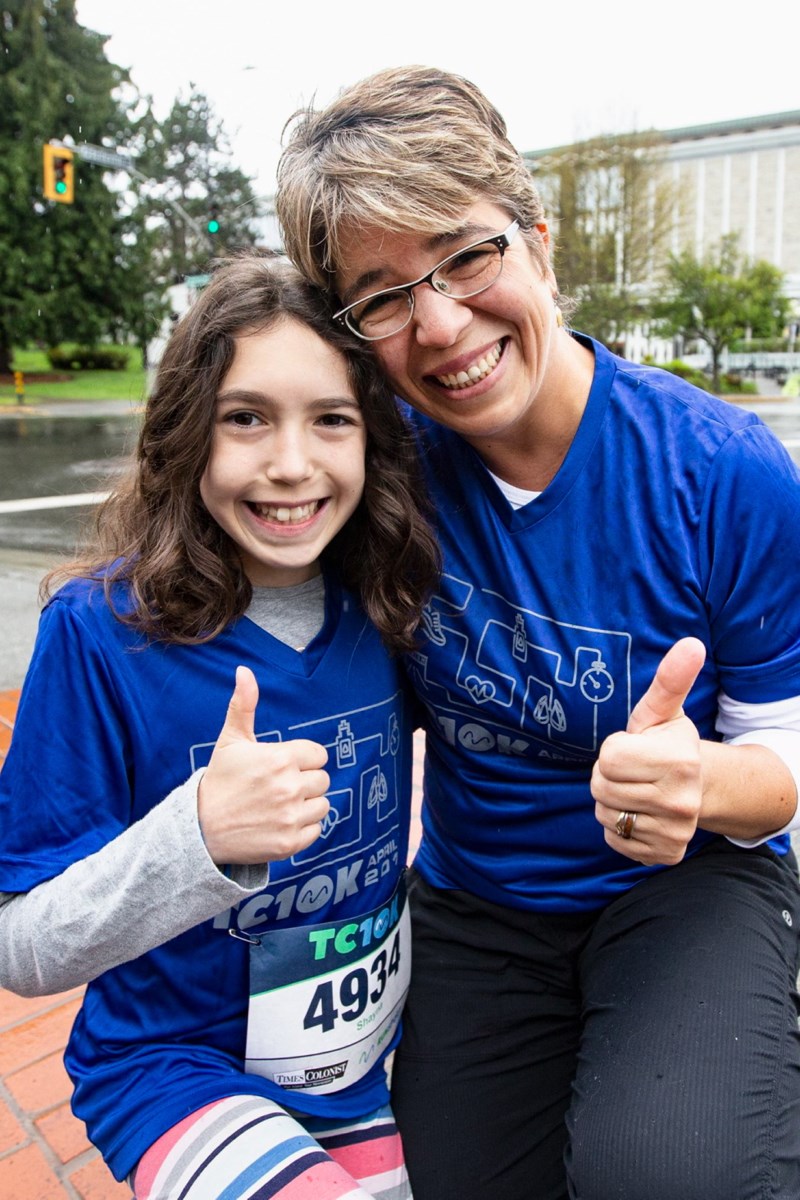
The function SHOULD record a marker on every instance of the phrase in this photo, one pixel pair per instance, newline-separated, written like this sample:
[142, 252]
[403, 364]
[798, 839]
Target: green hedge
[690, 374]
[730, 384]
[88, 358]
[760, 346]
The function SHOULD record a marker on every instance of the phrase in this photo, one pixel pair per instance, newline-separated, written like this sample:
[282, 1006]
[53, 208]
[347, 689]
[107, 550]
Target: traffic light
[213, 223]
[59, 180]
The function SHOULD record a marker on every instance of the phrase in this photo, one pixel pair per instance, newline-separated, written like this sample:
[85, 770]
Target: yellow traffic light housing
[59, 179]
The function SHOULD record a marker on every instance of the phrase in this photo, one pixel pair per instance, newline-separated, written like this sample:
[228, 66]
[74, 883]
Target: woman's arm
[749, 792]
[660, 770]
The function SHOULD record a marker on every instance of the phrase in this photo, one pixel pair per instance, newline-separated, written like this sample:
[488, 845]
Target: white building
[740, 176]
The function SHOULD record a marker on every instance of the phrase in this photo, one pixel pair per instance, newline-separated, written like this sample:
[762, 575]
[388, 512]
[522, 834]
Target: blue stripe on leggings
[288, 1175]
[236, 1133]
[264, 1164]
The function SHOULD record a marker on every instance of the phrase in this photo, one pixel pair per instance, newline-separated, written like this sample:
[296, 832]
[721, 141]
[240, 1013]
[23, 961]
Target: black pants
[646, 1052]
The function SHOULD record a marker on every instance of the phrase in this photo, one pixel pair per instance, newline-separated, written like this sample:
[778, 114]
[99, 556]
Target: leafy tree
[62, 273]
[144, 304]
[610, 206]
[718, 298]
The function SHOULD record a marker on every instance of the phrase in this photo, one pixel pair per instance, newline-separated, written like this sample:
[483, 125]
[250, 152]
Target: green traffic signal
[213, 225]
[58, 179]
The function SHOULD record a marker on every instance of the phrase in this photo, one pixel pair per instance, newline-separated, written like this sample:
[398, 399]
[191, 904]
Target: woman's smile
[456, 378]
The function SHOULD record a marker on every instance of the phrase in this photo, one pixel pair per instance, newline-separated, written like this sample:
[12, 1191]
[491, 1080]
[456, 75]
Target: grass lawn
[129, 384]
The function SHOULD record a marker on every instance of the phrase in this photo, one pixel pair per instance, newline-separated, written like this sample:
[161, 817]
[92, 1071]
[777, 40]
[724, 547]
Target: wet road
[64, 451]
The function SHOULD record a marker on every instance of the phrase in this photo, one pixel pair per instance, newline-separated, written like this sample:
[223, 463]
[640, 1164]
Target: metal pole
[118, 162]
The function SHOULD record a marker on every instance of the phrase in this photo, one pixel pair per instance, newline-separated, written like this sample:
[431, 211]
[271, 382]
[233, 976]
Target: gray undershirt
[152, 882]
[293, 615]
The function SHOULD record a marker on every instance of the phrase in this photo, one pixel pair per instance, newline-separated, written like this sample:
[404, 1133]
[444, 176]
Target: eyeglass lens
[464, 275]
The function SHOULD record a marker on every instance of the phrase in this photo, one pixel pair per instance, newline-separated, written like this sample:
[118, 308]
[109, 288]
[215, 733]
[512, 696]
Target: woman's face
[508, 332]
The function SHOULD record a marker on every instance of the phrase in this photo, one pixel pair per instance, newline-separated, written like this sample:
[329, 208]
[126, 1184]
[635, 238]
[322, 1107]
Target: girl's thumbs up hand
[260, 801]
[241, 715]
[652, 770]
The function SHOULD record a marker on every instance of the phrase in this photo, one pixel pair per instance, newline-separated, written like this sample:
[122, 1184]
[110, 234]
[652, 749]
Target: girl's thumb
[241, 715]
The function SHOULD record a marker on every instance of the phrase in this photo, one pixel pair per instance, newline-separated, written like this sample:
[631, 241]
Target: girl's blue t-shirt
[107, 726]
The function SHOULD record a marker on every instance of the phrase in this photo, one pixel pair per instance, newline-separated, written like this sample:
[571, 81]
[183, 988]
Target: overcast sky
[557, 72]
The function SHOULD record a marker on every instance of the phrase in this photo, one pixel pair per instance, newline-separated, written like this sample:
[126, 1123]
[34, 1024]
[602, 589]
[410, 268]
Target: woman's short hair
[408, 149]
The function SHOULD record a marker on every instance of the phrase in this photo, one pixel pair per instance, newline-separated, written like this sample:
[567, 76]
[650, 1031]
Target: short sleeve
[750, 556]
[64, 789]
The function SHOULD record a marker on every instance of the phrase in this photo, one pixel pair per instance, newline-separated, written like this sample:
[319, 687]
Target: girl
[246, 937]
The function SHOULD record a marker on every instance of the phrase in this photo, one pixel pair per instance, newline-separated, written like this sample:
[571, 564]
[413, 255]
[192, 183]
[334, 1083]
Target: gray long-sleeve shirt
[74, 927]
[70, 929]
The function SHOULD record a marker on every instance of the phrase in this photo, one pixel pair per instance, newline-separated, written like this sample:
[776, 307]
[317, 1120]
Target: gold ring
[626, 822]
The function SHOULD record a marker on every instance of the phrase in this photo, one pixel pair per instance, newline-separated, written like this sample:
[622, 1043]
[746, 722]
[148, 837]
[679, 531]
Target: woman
[605, 903]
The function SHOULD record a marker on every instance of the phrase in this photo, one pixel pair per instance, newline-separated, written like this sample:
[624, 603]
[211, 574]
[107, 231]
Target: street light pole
[120, 162]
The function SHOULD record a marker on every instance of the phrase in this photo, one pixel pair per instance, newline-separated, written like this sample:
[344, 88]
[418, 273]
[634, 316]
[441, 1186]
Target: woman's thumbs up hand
[652, 770]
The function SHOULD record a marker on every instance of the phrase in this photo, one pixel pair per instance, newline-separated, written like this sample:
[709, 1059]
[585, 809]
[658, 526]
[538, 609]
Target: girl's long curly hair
[183, 571]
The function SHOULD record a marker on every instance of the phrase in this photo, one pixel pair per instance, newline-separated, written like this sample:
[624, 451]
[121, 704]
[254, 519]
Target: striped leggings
[249, 1148]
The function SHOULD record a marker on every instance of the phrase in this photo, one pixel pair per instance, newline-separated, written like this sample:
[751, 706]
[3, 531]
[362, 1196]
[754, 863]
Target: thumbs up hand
[260, 801]
[652, 770]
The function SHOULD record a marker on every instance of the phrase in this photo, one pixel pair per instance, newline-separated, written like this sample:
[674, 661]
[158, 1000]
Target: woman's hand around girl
[260, 801]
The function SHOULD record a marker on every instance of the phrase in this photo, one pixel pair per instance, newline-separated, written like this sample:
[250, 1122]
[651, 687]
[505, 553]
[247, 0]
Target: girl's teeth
[479, 370]
[275, 512]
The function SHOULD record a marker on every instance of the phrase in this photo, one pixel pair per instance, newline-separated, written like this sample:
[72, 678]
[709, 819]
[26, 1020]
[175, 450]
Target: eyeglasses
[466, 273]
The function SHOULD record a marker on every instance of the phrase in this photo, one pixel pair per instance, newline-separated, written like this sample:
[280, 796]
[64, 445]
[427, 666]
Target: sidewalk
[44, 1152]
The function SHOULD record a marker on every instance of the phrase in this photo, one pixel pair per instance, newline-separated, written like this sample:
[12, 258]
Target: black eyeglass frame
[501, 240]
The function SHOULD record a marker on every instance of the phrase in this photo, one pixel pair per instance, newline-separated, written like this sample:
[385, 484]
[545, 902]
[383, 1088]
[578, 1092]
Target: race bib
[325, 1000]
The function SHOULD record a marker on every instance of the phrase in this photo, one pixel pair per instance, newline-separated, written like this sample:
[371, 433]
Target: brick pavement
[8, 708]
[44, 1151]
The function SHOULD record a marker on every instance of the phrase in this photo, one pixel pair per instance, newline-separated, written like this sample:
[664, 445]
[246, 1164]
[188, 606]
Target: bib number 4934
[356, 989]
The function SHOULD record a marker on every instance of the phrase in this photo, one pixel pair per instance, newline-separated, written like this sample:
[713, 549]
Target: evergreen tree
[99, 267]
[187, 161]
[62, 273]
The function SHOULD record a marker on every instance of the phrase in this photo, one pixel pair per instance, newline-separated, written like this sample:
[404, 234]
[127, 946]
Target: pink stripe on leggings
[370, 1157]
[150, 1164]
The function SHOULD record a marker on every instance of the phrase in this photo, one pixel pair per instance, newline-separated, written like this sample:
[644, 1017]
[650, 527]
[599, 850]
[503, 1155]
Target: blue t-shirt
[107, 726]
[674, 513]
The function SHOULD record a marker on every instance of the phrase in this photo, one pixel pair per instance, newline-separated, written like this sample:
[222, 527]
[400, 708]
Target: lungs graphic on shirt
[494, 673]
[362, 761]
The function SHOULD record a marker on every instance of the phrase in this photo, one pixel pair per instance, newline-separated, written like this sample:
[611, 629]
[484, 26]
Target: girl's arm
[258, 802]
[109, 908]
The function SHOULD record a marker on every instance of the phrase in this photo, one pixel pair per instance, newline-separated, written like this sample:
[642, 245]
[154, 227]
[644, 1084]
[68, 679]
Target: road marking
[35, 502]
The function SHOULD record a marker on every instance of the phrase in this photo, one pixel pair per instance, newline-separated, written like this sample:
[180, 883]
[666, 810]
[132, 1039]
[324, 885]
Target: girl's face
[286, 468]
